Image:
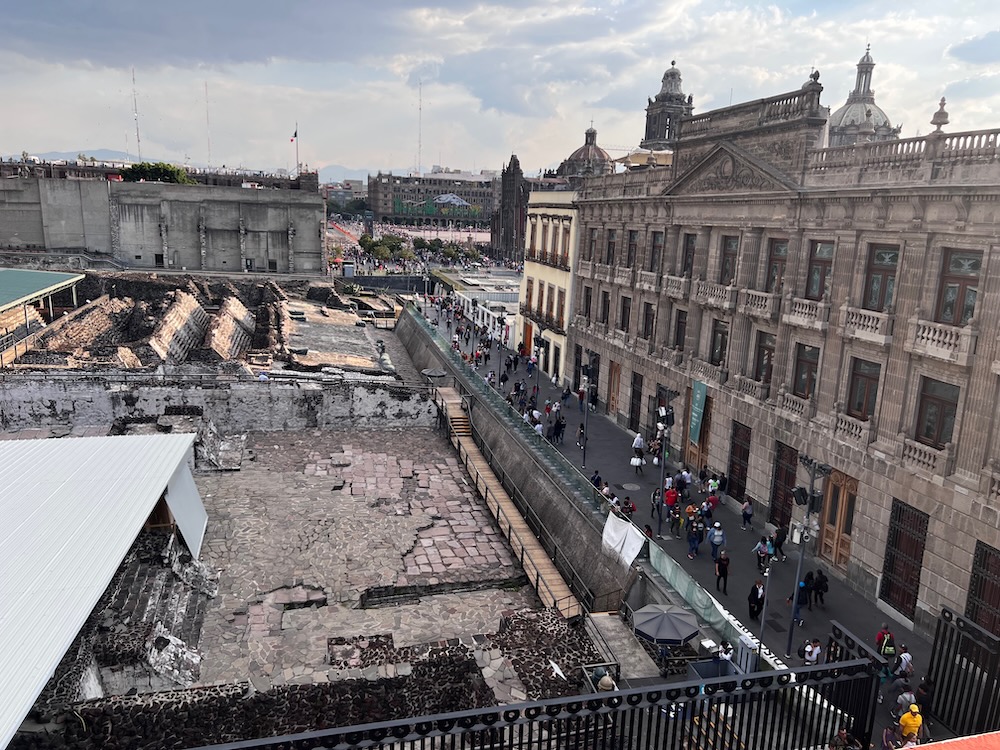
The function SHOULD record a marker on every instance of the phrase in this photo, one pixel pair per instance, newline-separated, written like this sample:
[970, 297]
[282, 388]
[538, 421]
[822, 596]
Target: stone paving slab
[317, 518]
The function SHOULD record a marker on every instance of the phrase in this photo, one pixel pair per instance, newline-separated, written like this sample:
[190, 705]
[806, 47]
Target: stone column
[742, 325]
[243, 245]
[671, 250]
[291, 246]
[749, 260]
[692, 339]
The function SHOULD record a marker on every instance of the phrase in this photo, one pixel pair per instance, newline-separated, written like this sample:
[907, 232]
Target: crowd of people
[685, 508]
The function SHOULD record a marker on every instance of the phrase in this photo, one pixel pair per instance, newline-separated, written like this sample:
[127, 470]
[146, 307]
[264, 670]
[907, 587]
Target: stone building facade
[442, 198]
[547, 281]
[836, 303]
[157, 225]
[508, 221]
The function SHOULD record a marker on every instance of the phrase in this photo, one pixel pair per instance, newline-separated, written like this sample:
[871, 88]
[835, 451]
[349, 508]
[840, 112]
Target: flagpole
[297, 163]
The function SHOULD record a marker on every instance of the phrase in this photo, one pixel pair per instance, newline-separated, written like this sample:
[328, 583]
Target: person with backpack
[904, 697]
[886, 646]
[904, 663]
[800, 600]
[812, 653]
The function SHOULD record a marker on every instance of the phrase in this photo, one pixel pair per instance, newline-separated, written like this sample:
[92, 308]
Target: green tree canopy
[156, 172]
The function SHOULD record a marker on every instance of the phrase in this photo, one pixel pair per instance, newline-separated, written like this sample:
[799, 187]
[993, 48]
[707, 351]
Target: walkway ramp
[542, 574]
[627, 651]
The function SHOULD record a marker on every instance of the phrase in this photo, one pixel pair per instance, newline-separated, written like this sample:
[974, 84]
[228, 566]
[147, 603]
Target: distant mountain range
[331, 173]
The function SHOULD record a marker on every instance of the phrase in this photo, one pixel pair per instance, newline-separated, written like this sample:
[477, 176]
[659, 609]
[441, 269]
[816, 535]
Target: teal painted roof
[18, 287]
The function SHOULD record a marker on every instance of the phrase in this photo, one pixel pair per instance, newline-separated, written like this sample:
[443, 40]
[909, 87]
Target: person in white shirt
[813, 651]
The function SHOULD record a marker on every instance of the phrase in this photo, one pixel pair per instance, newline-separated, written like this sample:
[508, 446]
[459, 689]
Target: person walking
[747, 510]
[693, 537]
[779, 539]
[717, 538]
[911, 722]
[801, 599]
[904, 663]
[722, 573]
[820, 587]
[755, 599]
[763, 556]
[810, 581]
[581, 436]
[675, 522]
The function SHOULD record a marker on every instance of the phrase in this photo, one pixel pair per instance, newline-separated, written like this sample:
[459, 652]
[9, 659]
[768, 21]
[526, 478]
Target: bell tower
[664, 113]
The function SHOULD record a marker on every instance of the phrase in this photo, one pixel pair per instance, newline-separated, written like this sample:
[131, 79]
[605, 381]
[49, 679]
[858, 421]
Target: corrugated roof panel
[69, 511]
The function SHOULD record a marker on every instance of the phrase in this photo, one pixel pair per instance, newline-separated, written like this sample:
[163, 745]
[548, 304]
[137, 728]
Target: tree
[156, 172]
[419, 243]
[381, 252]
[366, 242]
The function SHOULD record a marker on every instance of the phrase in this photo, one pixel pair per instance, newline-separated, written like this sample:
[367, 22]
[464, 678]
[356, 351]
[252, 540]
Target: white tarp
[621, 539]
[186, 506]
[69, 512]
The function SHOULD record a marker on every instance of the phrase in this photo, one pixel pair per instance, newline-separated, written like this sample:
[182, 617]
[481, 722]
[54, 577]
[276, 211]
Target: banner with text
[698, 392]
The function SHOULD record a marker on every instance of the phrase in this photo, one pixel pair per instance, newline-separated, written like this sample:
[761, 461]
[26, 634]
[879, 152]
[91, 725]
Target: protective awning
[69, 511]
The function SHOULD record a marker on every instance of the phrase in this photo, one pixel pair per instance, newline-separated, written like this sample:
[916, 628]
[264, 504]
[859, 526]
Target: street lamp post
[586, 409]
[816, 469]
[663, 428]
[538, 364]
[503, 324]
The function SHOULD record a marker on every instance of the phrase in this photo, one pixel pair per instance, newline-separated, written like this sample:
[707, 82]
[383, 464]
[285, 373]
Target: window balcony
[806, 313]
[603, 272]
[941, 341]
[762, 305]
[586, 268]
[648, 281]
[719, 296]
[677, 287]
[919, 457]
[623, 276]
[867, 325]
[707, 372]
[755, 389]
[794, 406]
[853, 430]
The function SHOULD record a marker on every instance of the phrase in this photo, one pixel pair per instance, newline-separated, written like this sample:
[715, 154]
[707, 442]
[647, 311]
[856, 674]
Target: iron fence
[763, 711]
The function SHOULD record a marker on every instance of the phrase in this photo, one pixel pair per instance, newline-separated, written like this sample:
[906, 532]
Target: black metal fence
[764, 711]
[965, 668]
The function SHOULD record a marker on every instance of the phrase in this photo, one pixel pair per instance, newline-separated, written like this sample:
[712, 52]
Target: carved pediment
[729, 170]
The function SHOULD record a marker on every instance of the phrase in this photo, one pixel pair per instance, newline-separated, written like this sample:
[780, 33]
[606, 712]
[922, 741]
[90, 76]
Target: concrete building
[547, 282]
[441, 198]
[830, 302]
[155, 225]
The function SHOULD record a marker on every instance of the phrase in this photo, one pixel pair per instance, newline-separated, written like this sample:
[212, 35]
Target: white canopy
[69, 511]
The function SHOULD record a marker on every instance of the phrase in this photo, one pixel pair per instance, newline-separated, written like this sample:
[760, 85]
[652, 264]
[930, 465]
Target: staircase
[460, 426]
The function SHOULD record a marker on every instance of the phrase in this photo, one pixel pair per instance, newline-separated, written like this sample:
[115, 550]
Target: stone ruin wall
[232, 330]
[235, 407]
[182, 329]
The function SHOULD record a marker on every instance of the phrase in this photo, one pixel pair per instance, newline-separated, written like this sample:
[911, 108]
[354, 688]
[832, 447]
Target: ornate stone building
[839, 303]
[589, 160]
[665, 112]
[861, 119]
[508, 221]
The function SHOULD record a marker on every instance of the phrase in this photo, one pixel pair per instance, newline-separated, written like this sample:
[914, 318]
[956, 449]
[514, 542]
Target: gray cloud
[981, 50]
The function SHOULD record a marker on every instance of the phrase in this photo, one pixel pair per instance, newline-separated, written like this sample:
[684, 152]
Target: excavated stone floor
[316, 521]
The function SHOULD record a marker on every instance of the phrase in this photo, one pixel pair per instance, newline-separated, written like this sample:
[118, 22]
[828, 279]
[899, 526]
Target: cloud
[498, 76]
[981, 50]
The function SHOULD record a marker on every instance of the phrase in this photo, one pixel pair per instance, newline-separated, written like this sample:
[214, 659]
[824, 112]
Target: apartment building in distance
[836, 304]
[442, 198]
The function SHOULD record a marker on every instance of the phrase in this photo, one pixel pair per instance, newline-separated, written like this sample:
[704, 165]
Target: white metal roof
[69, 512]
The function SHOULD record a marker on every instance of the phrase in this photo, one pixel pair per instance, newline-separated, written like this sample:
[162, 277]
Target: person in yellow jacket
[911, 721]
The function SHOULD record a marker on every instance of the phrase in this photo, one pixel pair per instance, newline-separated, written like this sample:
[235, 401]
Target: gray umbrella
[433, 372]
[664, 623]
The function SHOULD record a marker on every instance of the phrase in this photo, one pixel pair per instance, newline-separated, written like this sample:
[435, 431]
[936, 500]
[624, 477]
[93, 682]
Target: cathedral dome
[853, 113]
[589, 159]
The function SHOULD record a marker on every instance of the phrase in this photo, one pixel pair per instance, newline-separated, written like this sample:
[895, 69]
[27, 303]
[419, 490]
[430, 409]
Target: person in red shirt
[670, 497]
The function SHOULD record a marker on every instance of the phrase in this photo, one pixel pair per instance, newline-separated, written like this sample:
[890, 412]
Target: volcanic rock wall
[232, 330]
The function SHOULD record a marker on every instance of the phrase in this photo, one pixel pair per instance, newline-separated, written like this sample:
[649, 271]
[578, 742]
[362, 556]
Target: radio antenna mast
[420, 122]
[135, 110]
[208, 127]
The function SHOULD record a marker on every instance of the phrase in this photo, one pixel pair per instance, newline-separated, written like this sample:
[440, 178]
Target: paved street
[609, 448]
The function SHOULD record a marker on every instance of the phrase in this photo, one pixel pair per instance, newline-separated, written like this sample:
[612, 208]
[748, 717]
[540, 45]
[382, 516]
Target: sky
[393, 84]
